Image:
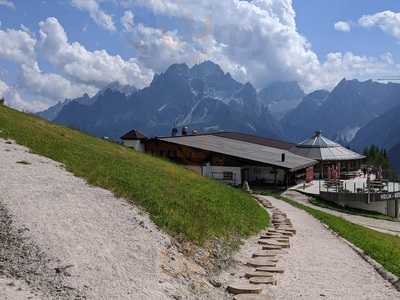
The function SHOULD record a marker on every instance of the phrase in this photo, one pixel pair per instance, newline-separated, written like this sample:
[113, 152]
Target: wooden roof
[133, 135]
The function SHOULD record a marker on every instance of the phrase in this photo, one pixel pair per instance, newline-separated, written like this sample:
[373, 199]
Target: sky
[51, 50]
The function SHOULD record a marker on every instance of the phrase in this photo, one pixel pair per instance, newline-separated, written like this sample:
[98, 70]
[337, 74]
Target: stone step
[261, 262]
[279, 216]
[284, 232]
[258, 274]
[271, 247]
[274, 243]
[262, 280]
[264, 255]
[274, 236]
[286, 228]
[267, 253]
[275, 230]
[281, 240]
[252, 297]
[281, 222]
[270, 269]
[243, 288]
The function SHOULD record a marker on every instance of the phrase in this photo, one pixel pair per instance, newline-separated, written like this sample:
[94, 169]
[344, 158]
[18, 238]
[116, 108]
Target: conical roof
[321, 148]
[318, 141]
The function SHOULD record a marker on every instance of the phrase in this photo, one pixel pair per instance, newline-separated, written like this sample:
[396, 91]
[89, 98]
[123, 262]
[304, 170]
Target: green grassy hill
[178, 200]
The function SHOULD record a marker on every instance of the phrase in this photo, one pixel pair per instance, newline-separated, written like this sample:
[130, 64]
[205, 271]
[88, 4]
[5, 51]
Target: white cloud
[127, 20]
[94, 68]
[157, 49]
[3, 88]
[351, 66]
[7, 3]
[50, 86]
[96, 13]
[14, 99]
[387, 21]
[256, 41]
[17, 46]
[343, 26]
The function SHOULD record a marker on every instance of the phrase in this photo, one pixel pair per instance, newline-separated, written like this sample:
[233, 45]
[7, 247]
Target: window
[228, 176]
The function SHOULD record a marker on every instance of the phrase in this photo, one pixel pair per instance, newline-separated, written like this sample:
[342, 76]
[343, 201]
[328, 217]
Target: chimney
[185, 130]
[283, 158]
[174, 131]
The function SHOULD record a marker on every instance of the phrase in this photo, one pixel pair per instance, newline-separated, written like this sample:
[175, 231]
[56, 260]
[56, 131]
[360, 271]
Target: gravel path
[104, 247]
[321, 266]
[389, 227]
[11, 289]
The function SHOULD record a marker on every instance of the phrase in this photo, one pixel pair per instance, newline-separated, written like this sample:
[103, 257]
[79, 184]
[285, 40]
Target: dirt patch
[82, 241]
[21, 259]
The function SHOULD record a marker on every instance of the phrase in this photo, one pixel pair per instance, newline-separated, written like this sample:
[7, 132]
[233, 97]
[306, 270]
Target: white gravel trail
[390, 227]
[319, 265]
[115, 251]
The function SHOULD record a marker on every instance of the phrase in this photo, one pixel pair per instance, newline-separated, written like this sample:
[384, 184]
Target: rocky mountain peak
[178, 70]
[206, 69]
[126, 89]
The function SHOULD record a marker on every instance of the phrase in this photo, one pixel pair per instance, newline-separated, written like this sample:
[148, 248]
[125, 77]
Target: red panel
[309, 174]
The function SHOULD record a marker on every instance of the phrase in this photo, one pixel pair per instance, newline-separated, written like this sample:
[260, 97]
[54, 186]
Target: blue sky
[316, 18]
[52, 50]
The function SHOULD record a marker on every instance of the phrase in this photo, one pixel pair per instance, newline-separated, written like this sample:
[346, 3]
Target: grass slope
[178, 200]
[383, 248]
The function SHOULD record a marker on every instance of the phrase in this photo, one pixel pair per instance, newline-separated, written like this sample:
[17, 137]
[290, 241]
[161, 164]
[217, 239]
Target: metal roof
[244, 150]
[318, 141]
[245, 137]
[320, 148]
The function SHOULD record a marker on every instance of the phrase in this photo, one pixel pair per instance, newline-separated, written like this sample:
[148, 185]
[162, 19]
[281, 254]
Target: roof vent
[185, 130]
[283, 158]
[318, 133]
[174, 131]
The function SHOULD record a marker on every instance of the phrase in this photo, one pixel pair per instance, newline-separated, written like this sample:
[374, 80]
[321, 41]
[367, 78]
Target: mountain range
[205, 98]
[202, 97]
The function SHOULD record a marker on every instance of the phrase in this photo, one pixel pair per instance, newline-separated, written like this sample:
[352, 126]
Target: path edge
[385, 274]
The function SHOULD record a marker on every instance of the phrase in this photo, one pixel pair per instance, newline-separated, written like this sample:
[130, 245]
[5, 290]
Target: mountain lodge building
[331, 156]
[230, 157]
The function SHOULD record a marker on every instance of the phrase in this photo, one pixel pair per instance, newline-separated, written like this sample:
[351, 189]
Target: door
[245, 174]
